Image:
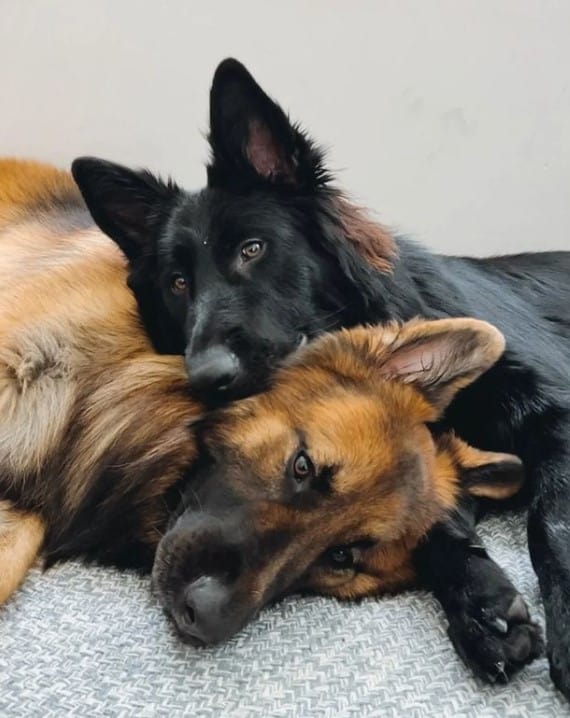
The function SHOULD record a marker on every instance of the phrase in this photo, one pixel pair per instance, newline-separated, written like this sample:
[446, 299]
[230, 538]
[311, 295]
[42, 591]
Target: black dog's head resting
[238, 275]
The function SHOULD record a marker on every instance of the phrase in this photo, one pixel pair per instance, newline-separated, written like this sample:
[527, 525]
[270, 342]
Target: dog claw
[500, 674]
[501, 625]
[498, 624]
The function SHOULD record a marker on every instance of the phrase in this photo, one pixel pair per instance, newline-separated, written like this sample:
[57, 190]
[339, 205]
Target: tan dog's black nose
[198, 572]
[202, 616]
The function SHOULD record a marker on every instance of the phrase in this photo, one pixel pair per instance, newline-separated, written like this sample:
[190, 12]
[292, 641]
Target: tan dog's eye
[340, 557]
[303, 468]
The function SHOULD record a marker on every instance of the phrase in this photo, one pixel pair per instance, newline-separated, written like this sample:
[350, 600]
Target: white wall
[450, 117]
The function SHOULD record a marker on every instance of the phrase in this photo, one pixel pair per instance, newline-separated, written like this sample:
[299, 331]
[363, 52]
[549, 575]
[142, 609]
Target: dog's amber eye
[303, 468]
[340, 557]
[178, 284]
[252, 249]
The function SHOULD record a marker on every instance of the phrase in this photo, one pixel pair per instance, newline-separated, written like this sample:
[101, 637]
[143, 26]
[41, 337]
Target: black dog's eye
[252, 249]
[178, 283]
[303, 468]
[340, 557]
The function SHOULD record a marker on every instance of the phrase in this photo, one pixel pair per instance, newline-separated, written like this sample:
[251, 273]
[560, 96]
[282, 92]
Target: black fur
[267, 180]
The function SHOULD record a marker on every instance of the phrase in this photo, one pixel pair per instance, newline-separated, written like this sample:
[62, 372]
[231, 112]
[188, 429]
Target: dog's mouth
[261, 366]
[226, 386]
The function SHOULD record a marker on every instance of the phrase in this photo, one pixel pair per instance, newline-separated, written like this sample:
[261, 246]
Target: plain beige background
[451, 118]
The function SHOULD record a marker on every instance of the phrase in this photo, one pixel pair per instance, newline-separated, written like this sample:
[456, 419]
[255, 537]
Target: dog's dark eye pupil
[250, 250]
[178, 284]
[302, 466]
[341, 557]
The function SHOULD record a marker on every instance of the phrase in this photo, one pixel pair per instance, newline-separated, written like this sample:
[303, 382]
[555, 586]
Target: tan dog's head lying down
[329, 480]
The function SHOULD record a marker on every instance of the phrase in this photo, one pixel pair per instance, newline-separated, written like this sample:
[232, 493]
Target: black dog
[237, 275]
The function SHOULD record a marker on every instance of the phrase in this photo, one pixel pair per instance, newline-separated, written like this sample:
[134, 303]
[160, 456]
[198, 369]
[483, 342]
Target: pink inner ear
[411, 363]
[265, 155]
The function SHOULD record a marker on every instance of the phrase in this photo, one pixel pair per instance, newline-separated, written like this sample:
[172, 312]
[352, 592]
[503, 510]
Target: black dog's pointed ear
[251, 137]
[128, 206]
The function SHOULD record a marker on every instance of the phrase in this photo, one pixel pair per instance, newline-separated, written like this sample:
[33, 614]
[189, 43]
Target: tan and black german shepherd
[328, 482]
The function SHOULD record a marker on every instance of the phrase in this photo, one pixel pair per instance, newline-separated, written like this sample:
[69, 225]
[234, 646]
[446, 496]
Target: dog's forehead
[358, 433]
[212, 214]
[190, 220]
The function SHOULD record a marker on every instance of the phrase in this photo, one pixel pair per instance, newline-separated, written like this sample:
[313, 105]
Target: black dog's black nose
[201, 618]
[212, 370]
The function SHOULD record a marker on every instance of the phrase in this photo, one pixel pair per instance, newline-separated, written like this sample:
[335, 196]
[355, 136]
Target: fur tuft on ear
[485, 474]
[128, 206]
[372, 242]
[252, 139]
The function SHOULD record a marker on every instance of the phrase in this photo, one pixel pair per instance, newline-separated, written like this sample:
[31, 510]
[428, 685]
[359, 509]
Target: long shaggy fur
[94, 426]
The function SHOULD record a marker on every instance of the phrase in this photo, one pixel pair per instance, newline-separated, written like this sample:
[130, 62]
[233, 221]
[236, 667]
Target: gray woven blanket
[81, 641]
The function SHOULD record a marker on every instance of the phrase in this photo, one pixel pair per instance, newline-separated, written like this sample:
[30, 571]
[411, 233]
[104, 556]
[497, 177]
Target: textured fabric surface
[83, 641]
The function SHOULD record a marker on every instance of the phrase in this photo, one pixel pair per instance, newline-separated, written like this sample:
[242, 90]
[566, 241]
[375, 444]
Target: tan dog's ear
[486, 474]
[440, 357]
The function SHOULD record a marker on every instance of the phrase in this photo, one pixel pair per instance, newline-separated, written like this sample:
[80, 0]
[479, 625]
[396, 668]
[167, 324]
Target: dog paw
[490, 625]
[496, 642]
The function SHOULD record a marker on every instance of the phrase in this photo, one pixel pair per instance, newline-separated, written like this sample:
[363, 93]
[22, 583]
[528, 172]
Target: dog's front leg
[549, 544]
[489, 622]
[21, 538]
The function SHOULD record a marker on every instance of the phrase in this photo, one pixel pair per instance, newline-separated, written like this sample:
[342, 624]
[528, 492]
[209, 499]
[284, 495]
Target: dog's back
[29, 188]
[58, 292]
[78, 383]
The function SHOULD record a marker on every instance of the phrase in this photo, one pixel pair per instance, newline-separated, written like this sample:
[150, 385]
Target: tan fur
[81, 390]
[57, 296]
[469, 458]
[21, 537]
[362, 399]
[25, 184]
